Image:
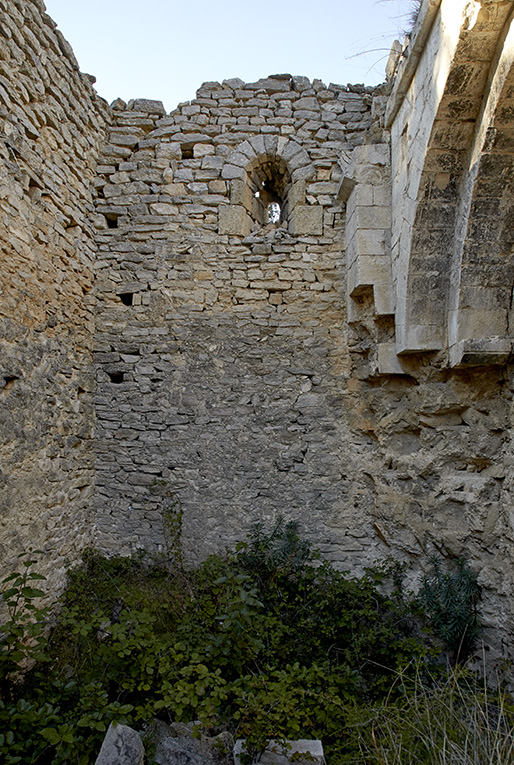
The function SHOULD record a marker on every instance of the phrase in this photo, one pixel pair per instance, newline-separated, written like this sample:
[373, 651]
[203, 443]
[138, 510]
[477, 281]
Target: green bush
[266, 641]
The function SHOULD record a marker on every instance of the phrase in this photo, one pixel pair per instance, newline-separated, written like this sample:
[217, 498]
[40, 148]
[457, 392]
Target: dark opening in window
[112, 221]
[187, 150]
[127, 298]
[270, 182]
[116, 377]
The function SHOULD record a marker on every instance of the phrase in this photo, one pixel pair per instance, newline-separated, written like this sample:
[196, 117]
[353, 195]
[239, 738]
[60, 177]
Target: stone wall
[430, 295]
[347, 365]
[51, 123]
[248, 368]
[221, 337]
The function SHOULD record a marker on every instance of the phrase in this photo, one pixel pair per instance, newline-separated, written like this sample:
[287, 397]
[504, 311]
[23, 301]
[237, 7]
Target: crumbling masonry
[281, 298]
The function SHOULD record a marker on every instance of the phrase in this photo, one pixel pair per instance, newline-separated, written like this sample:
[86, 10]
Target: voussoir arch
[266, 170]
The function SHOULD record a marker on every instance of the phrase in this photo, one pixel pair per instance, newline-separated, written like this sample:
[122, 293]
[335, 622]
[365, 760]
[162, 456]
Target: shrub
[449, 599]
[265, 640]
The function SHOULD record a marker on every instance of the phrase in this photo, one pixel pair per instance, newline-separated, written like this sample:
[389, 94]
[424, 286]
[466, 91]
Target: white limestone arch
[480, 326]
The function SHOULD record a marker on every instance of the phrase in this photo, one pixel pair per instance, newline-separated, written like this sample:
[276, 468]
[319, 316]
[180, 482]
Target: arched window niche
[267, 187]
[269, 182]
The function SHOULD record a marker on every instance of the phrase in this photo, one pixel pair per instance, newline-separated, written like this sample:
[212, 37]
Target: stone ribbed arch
[291, 164]
[431, 155]
[482, 274]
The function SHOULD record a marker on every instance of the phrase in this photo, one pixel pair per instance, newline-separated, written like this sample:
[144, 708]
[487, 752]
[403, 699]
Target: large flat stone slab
[121, 746]
[303, 751]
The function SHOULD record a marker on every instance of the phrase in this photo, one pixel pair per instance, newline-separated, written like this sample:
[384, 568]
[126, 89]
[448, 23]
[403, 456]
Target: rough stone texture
[439, 422]
[221, 386]
[181, 744]
[51, 125]
[303, 751]
[348, 366]
[121, 746]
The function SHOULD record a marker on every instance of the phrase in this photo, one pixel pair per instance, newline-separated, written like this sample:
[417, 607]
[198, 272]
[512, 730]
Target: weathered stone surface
[302, 751]
[349, 364]
[121, 746]
[233, 219]
[177, 744]
[49, 143]
[307, 220]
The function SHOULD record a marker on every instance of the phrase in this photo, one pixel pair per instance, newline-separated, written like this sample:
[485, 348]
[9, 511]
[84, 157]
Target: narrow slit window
[127, 298]
[270, 183]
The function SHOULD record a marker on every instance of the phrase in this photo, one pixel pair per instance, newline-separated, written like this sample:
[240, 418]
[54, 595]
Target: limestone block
[296, 194]
[414, 338]
[346, 187]
[301, 751]
[481, 322]
[370, 241]
[232, 171]
[306, 220]
[202, 150]
[241, 194]
[481, 352]
[372, 154]
[373, 271]
[374, 217]
[147, 105]
[233, 219]
[291, 150]
[300, 83]
[389, 363]
[381, 194]
[212, 163]
[122, 746]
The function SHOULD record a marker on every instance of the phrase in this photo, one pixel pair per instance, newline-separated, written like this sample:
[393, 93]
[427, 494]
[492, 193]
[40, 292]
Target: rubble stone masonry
[298, 298]
[221, 337]
[51, 125]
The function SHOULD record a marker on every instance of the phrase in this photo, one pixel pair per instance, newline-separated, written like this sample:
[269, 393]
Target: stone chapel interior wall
[51, 122]
[230, 375]
[221, 341]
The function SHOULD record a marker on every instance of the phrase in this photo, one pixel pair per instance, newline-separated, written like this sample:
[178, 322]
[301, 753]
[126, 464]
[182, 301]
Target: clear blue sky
[165, 49]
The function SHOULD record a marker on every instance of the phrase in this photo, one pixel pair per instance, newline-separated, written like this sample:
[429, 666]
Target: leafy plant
[265, 641]
[22, 639]
[449, 599]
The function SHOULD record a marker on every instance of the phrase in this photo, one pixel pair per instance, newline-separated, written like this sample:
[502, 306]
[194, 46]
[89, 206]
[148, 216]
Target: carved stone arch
[265, 169]
[480, 310]
[425, 242]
